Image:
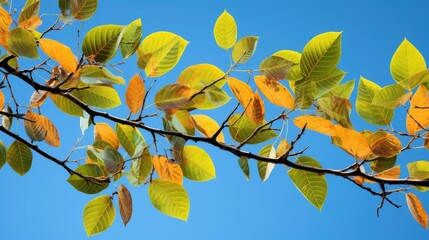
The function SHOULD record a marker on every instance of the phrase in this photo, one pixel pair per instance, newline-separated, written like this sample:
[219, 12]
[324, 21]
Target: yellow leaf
[135, 94]
[167, 169]
[384, 144]
[275, 92]
[31, 23]
[5, 22]
[102, 131]
[241, 91]
[418, 115]
[257, 109]
[317, 124]
[417, 210]
[34, 127]
[1, 100]
[282, 148]
[225, 31]
[207, 126]
[60, 53]
[52, 137]
[353, 142]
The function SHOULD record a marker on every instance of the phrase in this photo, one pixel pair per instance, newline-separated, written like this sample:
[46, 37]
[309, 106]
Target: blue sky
[42, 205]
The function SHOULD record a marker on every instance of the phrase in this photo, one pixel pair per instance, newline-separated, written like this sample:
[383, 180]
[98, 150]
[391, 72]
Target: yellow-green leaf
[92, 74]
[135, 93]
[337, 108]
[381, 164]
[130, 138]
[83, 9]
[131, 38]
[66, 105]
[2, 155]
[197, 164]
[295, 58]
[419, 170]
[60, 53]
[82, 185]
[243, 50]
[100, 96]
[102, 42]
[22, 43]
[19, 157]
[265, 168]
[417, 210]
[275, 68]
[172, 97]
[241, 128]
[391, 96]
[170, 198]
[243, 162]
[140, 168]
[98, 215]
[225, 31]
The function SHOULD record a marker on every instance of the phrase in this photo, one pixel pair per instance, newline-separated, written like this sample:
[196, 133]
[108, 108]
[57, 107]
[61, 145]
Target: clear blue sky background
[42, 205]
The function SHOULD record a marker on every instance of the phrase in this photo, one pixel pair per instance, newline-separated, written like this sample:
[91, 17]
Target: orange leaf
[135, 94]
[102, 131]
[172, 97]
[417, 210]
[34, 127]
[1, 99]
[207, 126]
[31, 23]
[384, 144]
[391, 173]
[241, 91]
[418, 115]
[125, 203]
[282, 148]
[52, 137]
[275, 92]
[60, 53]
[167, 169]
[257, 109]
[353, 142]
[5, 20]
[315, 123]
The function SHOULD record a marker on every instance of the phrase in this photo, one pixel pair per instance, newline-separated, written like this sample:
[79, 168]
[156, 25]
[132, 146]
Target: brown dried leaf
[417, 210]
[125, 203]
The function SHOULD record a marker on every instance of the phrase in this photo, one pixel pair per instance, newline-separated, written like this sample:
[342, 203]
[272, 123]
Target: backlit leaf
[83, 9]
[135, 94]
[85, 186]
[243, 162]
[265, 168]
[282, 148]
[391, 96]
[225, 31]
[241, 128]
[100, 96]
[64, 5]
[182, 122]
[34, 128]
[103, 131]
[275, 68]
[315, 123]
[337, 108]
[140, 168]
[207, 126]
[243, 50]
[167, 169]
[125, 203]
[2, 155]
[170, 198]
[52, 136]
[93, 74]
[131, 38]
[418, 114]
[102, 42]
[197, 164]
[417, 210]
[384, 144]
[257, 109]
[312, 185]
[32, 23]
[98, 215]
[200, 75]
[112, 159]
[30, 9]
[22, 43]
[130, 138]
[19, 157]
[419, 170]
[66, 105]
[295, 58]
[37, 98]
[353, 142]
[381, 164]
[60, 53]
[344, 90]
[391, 173]
[171, 97]
[275, 92]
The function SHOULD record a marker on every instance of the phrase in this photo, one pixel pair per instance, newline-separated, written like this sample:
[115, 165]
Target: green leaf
[19, 157]
[419, 170]
[92, 74]
[170, 198]
[275, 68]
[200, 75]
[101, 96]
[2, 155]
[344, 90]
[101, 43]
[171, 97]
[131, 38]
[66, 105]
[4, 2]
[82, 185]
[372, 114]
[112, 160]
[295, 57]
[381, 164]
[312, 185]
[130, 138]
[243, 162]
[265, 168]
[196, 164]
[225, 31]
[305, 93]
[329, 81]
[214, 98]
[22, 43]
[391, 96]
[321, 55]
[83, 9]
[64, 5]
[140, 168]
[244, 49]
[406, 62]
[98, 215]
[242, 127]
[30, 9]
[160, 52]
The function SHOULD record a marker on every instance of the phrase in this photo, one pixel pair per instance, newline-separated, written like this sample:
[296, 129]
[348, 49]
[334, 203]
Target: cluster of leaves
[77, 86]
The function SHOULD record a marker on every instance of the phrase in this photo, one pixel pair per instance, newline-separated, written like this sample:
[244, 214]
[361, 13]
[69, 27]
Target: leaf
[60, 53]
[243, 162]
[200, 75]
[22, 43]
[244, 49]
[92, 74]
[125, 203]
[241, 128]
[391, 173]
[37, 98]
[419, 170]
[182, 122]
[417, 210]
[83, 9]
[160, 52]
[312, 185]
[372, 114]
[130, 138]
[19, 157]
[295, 58]
[381, 164]
[418, 114]
[167, 169]
[344, 90]
[321, 55]
[384, 144]
[102, 42]
[207, 126]
[257, 109]
[66, 105]
[170, 198]
[275, 92]
[171, 97]
[1, 100]
[31, 23]
[135, 93]
[225, 31]
[34, 128]
[275, 68]
[353, 142]
[140, 168]
[250, 101]
[100, 96]
[52, 136]
[315, 123]
[406, 62]
[196, 164]
[265, 168]
[7, 120]
[64, 5]
[282, 148]
[131, 38]
[2, 155]
[112, 159]
[99, 214]
[214, 98]
[30, 9]
[337, 108]
[391, 96]
[83, 185]
[103, 131]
